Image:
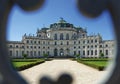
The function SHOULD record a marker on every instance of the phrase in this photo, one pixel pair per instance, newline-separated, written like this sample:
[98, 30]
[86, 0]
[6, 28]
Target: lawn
[21, 64]
[99, 64]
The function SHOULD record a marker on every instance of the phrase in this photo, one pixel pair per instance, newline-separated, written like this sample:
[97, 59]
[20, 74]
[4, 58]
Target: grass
[99, 64]
[21, 64]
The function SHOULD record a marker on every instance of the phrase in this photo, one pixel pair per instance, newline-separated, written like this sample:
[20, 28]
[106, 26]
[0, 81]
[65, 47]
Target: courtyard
[80, 73]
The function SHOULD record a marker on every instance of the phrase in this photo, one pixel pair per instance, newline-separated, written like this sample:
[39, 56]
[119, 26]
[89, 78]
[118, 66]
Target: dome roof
[61, 24]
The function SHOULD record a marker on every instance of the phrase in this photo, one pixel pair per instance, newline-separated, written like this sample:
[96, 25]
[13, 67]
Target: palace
[61, 39]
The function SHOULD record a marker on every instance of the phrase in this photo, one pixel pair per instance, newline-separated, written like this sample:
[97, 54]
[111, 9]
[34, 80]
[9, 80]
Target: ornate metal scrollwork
[91, 8]
[94, 8]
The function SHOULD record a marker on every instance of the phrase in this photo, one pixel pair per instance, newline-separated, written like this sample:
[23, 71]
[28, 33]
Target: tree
[24, 56]
[77, 56]
[101, 55]
[45, 56]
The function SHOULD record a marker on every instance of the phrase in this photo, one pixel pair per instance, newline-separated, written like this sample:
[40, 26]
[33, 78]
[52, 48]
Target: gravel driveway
[81, 74]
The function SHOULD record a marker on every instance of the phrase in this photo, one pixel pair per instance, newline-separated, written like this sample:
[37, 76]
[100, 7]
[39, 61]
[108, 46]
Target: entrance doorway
[61, 52]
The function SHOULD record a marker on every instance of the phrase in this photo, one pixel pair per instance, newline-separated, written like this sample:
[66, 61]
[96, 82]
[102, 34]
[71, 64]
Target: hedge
[100, 68]
[26, 66]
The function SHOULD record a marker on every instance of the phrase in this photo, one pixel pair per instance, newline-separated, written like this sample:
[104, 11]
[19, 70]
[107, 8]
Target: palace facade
[61, 39]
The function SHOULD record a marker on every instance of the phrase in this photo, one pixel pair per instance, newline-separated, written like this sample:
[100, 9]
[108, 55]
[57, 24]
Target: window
[106, 45]
[48, 42]
[43, 42]
[35, 47]
[95, 52]
[55, 37]
[88, 41]
[22, 46]
[91, 41]
[34, 42]
[27, 46]
[91, 46]
[34, 53]
[74, 42]
[91, 52]
[74, 52]
[79, 42]
[39, 53]
[61, 43]
[79, 47]
[67, 36]
[87, 46]
[106, 52]
[83, 42]
[95, 46]
[39, 47]
[67, 43]
[22, 52]
[39, 35]
[48, 52]
[55, 43]
[79, 52]
[10, 46]
[95, 40]
[10, 53]
[28, 53]
[74, 47]
[61, 36]
[16, 46]
[48, 47]
[31, 53]
[39, 42]
[88, 52]
[27, 41]
[31, 47]
[16, 53]
[31, 41]
[83, 46]
[100, 51]
[43, 47]
[83, 52]
[43, 52]
[100, 46]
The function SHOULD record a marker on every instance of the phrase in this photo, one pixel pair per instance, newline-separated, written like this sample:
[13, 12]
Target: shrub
[45, 55]
[24, 56]
[77, 56]
[26, 66]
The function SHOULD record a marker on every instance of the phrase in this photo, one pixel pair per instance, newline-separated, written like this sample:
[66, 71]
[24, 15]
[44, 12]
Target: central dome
[61, 24]
[62, 20]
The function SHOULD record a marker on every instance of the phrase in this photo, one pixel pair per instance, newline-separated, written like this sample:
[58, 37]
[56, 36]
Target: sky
[21, 22]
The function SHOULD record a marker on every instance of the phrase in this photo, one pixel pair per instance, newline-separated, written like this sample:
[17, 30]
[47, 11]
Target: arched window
[34, 53]
[67, 43]
[91, 52]
[83, 52]
[95, 52]
[31, 53]
[39, 53]
[10, 53]
[16, 53]
[55, 37]
[55, 43]
[88, 52]
[28, 53]
[10, 46]
[67, 36]
[106, 52]
[61, 36]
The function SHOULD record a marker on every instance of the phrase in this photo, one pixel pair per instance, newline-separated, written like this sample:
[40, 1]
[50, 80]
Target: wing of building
[61, 39]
